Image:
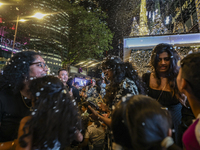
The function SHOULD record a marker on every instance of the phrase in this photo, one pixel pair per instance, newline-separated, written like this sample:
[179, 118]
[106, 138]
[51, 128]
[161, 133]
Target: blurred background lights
[39, 15]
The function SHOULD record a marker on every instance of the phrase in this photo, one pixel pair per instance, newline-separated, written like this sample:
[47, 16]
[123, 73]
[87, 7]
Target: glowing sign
[8, 42]
[6, 48]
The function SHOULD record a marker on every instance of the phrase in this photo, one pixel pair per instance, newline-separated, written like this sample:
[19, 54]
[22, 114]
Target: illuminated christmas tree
[134, 28]
[197, 2]
[158, 27]
[178, 27]
[143, 30]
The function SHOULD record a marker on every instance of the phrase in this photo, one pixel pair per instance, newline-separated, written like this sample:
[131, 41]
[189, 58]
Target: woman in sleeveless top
[162, 85]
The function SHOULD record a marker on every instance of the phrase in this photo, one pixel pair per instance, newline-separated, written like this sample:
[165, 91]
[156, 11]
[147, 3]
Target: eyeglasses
[40, 64]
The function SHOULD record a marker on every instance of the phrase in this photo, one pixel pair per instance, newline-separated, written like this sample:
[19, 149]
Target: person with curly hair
[162, 84]
[54, 110]
[15, 100]
[54, 122]
[124, 80]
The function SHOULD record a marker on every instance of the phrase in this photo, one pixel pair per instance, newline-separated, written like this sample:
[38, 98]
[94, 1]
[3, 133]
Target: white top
[95, 135]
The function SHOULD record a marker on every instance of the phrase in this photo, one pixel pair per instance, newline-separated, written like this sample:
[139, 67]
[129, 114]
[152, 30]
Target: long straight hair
[173, 70]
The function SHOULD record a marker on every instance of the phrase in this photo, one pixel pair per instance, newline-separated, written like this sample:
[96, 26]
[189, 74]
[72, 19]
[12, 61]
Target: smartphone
[93, 105]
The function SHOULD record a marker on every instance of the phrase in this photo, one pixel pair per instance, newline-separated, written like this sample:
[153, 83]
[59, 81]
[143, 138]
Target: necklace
[161, 92]
[31, 109]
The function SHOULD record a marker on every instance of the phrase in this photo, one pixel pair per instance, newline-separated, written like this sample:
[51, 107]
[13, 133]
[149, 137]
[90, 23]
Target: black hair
[122, 136]
[173, 70]
[17, 70]
[191, 72]
[121, 70]
[147, 122]
[70, 82]
[142, 122]
[98, 85]
[62, 69]
[54, 115]
[85, 120]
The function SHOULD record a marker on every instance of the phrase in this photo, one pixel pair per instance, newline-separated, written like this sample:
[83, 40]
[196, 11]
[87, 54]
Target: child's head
[145, 124]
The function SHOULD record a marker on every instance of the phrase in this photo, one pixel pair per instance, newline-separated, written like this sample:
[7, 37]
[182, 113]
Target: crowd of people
[158, 111]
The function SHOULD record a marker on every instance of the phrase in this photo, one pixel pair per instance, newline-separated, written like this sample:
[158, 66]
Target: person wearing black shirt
[74, 90]
[15, 101]
[162, 85]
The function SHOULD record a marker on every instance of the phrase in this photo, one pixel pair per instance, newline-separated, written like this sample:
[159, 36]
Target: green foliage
[71, 31]
[89, 35]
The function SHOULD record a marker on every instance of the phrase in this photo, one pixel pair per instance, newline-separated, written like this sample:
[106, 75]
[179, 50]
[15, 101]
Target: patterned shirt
[93, 95]
[92, 92]
[127, 86]
[103, 92]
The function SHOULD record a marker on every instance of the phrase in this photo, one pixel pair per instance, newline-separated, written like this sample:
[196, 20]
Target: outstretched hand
[94, 114]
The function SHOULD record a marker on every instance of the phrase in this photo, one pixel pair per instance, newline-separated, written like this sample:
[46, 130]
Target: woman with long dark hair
[55, 120]
[162, 84]
[124, 80]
